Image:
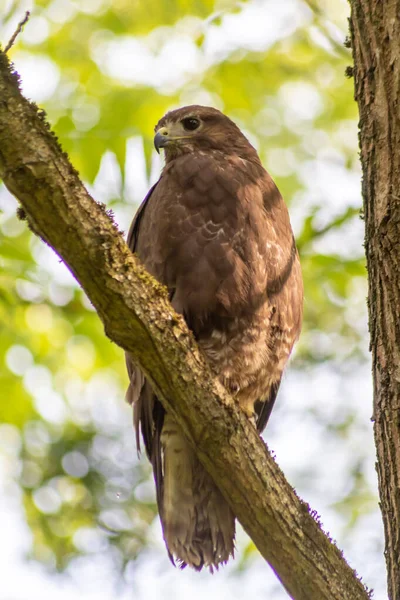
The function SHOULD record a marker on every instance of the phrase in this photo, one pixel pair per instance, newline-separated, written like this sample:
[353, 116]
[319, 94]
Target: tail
[198, 524]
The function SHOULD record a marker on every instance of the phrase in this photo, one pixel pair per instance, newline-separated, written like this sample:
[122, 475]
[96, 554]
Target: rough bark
[138, 317]
[375, 29]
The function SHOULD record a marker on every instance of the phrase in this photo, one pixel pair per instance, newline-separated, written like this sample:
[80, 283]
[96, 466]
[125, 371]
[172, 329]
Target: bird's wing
[148, 412]
[284, 292]
[134, 228]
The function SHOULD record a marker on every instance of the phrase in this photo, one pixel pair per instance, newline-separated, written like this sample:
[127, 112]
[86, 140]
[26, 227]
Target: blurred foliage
[108, 71]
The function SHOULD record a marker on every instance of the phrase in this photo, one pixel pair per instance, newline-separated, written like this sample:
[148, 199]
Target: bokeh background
[77, 507]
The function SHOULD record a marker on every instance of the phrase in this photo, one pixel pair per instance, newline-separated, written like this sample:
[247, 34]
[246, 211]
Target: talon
[250, 413]
[234, 388]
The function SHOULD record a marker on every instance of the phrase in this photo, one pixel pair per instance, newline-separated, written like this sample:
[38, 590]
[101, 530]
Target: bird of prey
[215, 231]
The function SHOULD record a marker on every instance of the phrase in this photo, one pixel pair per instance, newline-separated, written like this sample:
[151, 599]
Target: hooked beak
[161, 139]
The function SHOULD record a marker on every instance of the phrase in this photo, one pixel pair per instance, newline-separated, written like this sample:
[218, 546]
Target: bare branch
[17, 31]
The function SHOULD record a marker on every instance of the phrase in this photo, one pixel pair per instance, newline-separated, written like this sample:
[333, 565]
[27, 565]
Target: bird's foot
[233, 387]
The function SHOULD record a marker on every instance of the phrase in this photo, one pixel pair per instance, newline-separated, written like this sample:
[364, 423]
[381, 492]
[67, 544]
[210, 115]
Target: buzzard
[215, 231]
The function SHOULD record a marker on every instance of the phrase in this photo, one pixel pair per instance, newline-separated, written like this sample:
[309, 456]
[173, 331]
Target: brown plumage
[216, 232]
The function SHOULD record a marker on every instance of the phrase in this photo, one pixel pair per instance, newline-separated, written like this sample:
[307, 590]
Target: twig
[17, 31]
[321, 16]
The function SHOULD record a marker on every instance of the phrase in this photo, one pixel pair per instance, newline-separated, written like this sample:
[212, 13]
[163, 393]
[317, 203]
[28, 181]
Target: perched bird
[215, 231]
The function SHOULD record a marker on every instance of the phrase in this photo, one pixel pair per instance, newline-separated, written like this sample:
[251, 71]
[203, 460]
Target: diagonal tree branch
[138, 317]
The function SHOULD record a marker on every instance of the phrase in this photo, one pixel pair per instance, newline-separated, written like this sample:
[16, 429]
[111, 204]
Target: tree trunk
[137, 316]
[375, 31]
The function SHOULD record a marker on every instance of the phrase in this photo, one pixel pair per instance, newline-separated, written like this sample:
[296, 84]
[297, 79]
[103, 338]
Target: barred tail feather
[198, 524]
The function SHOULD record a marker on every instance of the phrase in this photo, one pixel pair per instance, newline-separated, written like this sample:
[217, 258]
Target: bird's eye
[190, 124]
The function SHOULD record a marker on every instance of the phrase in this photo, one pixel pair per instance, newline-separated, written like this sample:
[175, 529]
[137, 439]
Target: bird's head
[200, 128]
